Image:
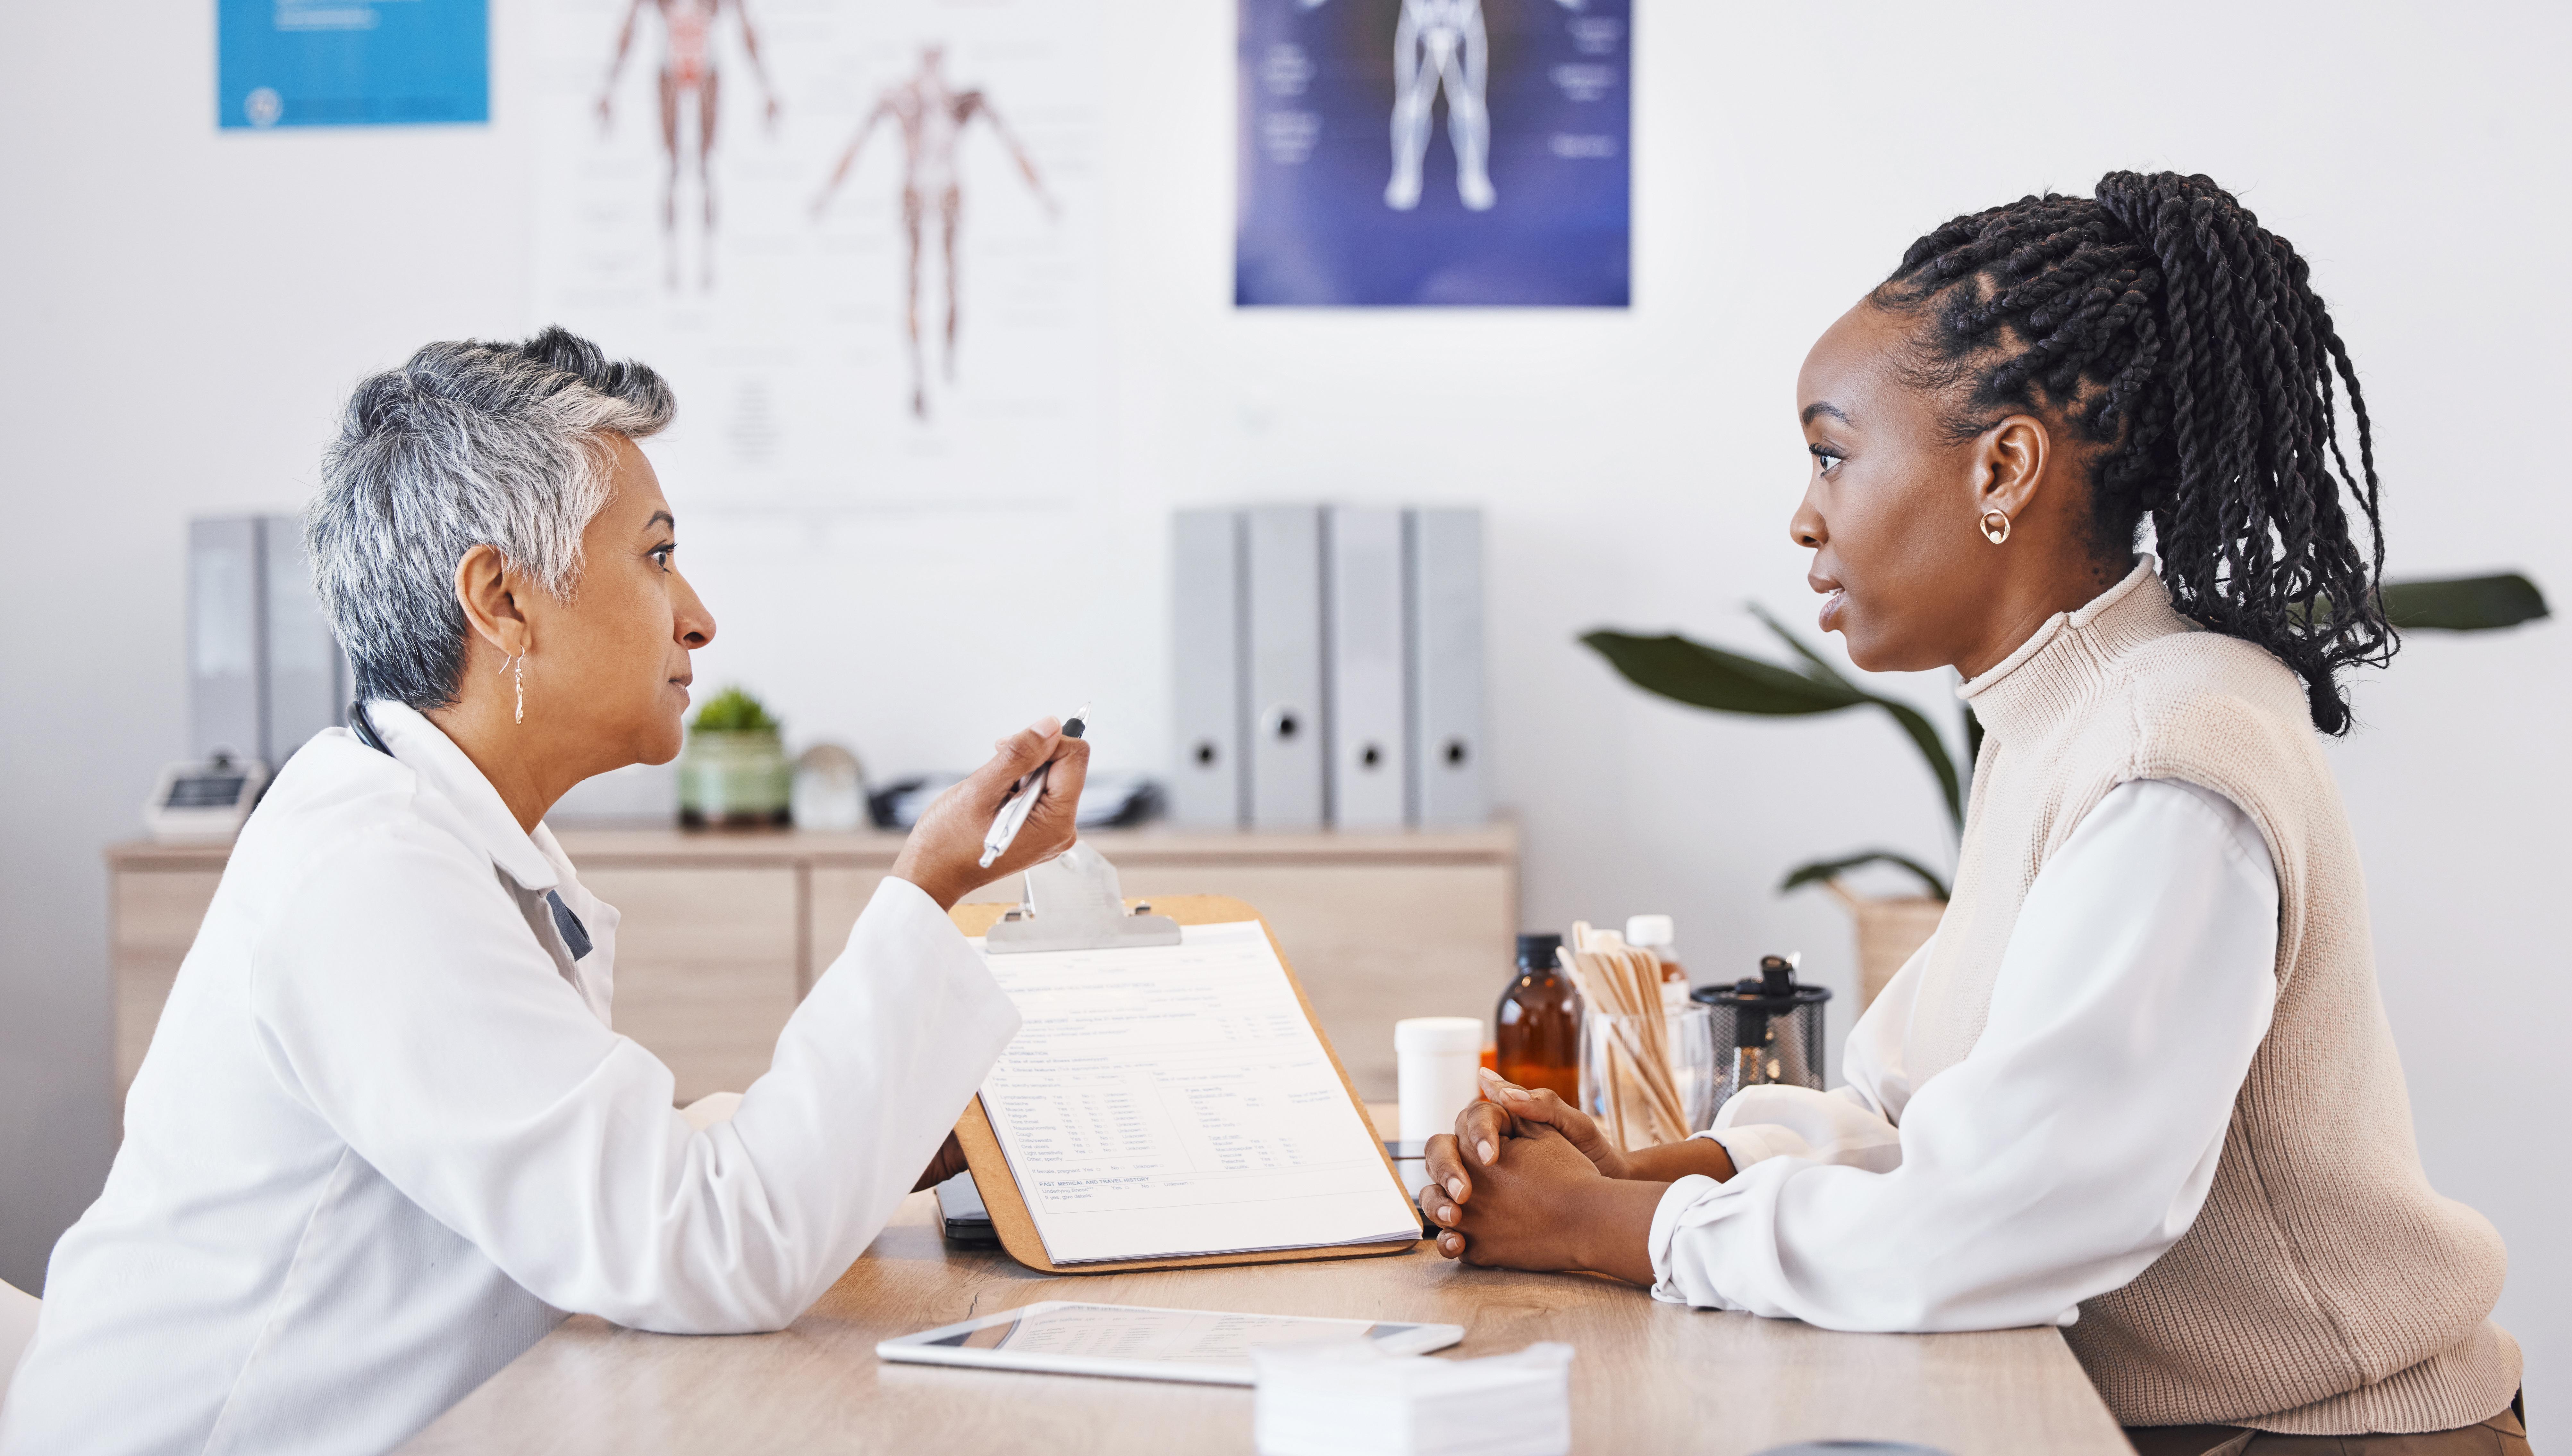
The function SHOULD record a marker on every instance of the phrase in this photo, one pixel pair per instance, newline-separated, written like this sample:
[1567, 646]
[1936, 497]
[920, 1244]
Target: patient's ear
[2009, 464]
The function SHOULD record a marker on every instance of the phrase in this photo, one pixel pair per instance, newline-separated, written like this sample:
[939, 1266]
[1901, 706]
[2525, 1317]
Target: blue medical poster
[351, 63]
[1434, 152]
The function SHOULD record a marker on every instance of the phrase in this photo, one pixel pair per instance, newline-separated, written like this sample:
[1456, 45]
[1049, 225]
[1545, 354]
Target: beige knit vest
[2325, 1288]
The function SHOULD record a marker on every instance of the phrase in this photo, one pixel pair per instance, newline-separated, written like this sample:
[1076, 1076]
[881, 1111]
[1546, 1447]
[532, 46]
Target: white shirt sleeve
[439, 1042]
[2067, 1152]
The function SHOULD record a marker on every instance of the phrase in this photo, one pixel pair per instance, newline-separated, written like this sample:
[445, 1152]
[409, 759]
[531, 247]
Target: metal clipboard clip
[1074, 902]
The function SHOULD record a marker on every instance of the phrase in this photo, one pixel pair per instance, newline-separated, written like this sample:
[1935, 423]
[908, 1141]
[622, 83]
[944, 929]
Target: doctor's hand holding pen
[1528, 1182]
[945, 855]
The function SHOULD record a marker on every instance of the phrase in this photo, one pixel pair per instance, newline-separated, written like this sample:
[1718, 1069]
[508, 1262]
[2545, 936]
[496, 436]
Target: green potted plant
[1890, 927]
[734, 773]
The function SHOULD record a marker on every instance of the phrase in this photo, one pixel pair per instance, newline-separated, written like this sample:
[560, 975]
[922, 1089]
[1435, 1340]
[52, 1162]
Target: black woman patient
[2138, 1084]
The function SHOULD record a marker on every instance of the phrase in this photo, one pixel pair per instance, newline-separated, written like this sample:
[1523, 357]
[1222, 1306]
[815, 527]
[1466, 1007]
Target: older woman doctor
[385, 1137]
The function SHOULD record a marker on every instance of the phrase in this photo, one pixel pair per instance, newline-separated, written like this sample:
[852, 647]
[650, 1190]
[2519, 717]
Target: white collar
[422, 747]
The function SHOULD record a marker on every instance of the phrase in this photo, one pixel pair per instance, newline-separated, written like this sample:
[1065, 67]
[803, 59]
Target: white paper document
[1175, 1099]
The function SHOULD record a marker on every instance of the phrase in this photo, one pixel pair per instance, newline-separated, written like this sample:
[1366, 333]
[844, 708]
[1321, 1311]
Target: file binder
[308, 679]
[226, 641]
[1445, 580]
[1209, 782]
[1368, 745]
[263, 673]
[1283, 559]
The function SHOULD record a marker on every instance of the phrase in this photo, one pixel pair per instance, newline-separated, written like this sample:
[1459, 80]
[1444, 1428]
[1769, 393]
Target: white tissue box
[1355, 1400]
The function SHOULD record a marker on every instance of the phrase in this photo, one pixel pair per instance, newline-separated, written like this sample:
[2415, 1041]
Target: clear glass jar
[1613, 1041]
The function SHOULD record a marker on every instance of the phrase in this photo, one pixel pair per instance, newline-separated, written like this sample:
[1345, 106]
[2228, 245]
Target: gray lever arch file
[227, 699]
[1284, 562]
[1208, 785]
[307, 680]
[1369, 744]
[263, 672]
[1445, 579]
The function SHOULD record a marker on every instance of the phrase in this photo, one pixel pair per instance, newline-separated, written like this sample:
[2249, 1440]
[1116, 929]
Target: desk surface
[1647, 1376]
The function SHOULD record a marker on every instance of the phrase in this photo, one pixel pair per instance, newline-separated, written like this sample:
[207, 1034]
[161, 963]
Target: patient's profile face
[1889, 502]
[615, 659]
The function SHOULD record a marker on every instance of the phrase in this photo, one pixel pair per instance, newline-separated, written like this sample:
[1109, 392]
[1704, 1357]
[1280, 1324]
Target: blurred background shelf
[723, 931]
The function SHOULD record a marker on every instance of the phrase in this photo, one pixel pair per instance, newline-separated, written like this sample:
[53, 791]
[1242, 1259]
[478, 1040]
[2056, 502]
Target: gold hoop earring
[1996, 534]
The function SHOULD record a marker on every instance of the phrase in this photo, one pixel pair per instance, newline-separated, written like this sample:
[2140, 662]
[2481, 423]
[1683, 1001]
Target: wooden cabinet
[705, 966]
[153, 908]
[1372, 941]
[721, 934]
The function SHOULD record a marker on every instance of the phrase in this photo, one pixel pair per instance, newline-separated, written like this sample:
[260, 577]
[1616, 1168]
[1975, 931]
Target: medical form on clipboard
[1169, 1101]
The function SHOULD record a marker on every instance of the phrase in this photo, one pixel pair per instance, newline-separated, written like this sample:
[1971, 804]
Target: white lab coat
[384, 1138]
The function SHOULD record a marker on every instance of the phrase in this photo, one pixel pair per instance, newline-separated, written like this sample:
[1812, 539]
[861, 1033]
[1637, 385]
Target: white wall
[184, 310]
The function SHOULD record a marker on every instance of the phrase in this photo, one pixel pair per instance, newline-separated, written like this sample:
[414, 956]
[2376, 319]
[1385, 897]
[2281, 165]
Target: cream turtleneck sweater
[2320, 1286]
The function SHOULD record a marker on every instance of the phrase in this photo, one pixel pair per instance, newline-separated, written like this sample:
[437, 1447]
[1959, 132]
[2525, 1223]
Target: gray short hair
[468, 443]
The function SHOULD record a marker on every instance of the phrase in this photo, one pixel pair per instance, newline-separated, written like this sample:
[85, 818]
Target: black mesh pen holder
[1767, 1029]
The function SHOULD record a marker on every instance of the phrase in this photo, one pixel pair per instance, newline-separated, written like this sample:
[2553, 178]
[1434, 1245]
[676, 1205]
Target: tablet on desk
[1066, 1337]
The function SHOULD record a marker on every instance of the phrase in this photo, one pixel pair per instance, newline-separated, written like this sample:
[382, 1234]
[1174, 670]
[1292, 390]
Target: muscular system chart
[1174, 1100]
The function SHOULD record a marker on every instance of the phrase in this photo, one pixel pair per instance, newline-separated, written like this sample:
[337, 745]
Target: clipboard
[1010, 1218]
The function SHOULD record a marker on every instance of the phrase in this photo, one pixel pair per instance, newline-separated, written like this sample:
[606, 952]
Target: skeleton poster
[1434, 152]
[862, 238]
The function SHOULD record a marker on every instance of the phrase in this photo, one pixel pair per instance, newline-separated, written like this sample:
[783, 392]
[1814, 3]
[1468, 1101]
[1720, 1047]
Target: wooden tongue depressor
[1642, 1101]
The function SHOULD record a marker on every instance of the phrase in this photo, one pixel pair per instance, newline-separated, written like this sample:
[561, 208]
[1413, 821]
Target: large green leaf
[1728, 682]
[1711, 678]
[1933, 750]
[2464, 605]
[1951, 785]
[1833, 869]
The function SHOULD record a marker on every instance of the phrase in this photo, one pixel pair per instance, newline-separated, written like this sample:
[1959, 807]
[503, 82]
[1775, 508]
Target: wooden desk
[723, 932]
[1647, 1377]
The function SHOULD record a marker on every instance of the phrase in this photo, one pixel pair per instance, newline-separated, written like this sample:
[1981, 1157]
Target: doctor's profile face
[1889, 508]
[611, 666]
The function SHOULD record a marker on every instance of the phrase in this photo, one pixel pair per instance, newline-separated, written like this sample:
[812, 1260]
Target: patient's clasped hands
[1527, 1181]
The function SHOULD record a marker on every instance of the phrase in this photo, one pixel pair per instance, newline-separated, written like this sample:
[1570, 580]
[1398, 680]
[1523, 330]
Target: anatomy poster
[1434, 152]
[862, 238]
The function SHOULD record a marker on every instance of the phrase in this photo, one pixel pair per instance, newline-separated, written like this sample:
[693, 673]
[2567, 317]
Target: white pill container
[1436, 1059]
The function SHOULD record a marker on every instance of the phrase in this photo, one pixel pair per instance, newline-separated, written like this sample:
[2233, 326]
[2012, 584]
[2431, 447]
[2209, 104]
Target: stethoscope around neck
[364, 728]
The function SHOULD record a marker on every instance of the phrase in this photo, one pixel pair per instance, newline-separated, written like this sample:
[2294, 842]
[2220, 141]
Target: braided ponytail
[2161, 321]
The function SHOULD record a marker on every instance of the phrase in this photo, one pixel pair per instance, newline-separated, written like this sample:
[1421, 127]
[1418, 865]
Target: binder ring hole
[1370, 756]
[1454, 753]
[1287, 724]
[1205, 755]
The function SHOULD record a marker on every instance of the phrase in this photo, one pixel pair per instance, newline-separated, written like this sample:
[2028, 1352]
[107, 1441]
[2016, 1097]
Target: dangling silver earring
[519, 677]
[1996, 534]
